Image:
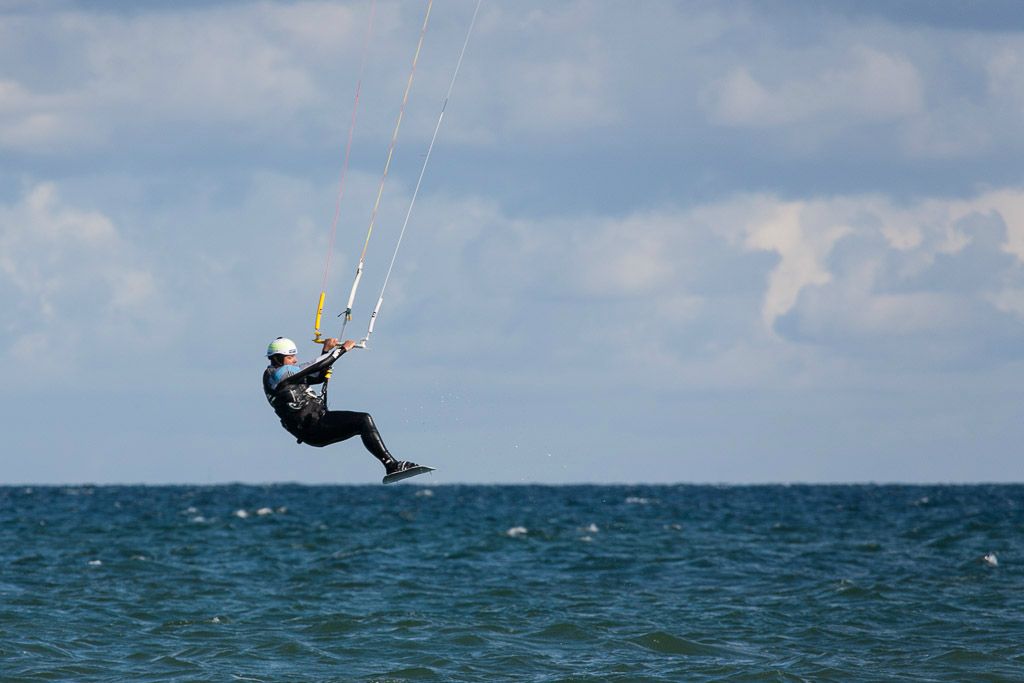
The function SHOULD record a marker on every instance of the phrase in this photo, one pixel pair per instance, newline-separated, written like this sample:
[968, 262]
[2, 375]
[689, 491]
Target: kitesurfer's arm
[332, 352]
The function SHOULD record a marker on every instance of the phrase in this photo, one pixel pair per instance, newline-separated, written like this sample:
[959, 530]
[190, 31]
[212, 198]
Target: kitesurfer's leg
[373, 443]
[339, 425]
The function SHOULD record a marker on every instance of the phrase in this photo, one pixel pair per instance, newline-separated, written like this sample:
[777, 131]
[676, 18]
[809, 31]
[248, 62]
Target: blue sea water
[524, 583]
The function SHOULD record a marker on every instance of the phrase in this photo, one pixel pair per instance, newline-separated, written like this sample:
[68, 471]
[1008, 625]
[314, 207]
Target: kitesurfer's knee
[366, 424]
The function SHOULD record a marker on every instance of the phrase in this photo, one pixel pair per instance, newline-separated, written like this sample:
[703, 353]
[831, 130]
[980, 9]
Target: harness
[298, 406]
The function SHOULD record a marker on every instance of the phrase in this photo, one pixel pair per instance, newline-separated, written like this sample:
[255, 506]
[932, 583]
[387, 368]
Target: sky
[658, 242]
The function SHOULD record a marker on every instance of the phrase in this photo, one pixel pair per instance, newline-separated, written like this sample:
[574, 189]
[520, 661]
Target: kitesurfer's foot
[403, 469]
[396, 466]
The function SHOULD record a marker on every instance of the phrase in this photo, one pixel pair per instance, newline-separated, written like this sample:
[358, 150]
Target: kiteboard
[405, 474]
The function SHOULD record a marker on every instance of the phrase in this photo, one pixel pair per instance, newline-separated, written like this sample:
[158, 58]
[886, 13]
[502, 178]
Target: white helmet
[283, 346]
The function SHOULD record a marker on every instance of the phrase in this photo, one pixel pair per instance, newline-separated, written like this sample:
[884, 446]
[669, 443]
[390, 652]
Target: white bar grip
[352, 294]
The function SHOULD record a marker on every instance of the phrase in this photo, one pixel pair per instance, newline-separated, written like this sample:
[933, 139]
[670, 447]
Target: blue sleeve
[281, 373]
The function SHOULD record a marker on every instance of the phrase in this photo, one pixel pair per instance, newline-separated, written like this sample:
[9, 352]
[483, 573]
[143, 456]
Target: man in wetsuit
[304, 414]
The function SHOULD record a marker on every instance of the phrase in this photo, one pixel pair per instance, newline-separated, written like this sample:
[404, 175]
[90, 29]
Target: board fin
[406, 473]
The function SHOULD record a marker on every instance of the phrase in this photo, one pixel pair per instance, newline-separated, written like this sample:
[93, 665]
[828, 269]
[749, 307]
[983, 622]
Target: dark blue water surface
[526, 583]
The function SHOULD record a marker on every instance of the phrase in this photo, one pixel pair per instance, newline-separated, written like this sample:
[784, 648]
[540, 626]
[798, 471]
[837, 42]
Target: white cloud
[1009, 300]
[855, 276]
[872, 86]
[232, 72]
[1005, 70]
[326, 27]
[802, 249]
[562, 96]
[216, 63]
[932, 276]
[33, 121]
[632, 256]
[662, 74]
[68, 275]
[1009, 205]
[118, 74]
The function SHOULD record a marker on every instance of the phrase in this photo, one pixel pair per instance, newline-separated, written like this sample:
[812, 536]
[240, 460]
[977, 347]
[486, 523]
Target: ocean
[512, 583]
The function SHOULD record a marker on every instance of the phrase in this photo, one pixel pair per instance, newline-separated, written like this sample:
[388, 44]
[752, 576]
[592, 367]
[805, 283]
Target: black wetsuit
[304, 414]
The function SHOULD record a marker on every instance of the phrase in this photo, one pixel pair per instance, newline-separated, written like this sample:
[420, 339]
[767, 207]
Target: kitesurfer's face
[289, 360]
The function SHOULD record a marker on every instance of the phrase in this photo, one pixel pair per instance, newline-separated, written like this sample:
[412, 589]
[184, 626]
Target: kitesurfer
[287, 385]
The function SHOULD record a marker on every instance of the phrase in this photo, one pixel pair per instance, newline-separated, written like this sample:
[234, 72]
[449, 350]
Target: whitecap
[95, 563]
[425, 493]
[241, 514]
[262, 512]
[281, 510]
[586, 539]
[637, 500]
[198, 519]
[516, 531]
[592, 529]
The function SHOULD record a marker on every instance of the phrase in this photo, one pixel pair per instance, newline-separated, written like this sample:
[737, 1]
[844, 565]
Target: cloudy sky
[663, 241]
